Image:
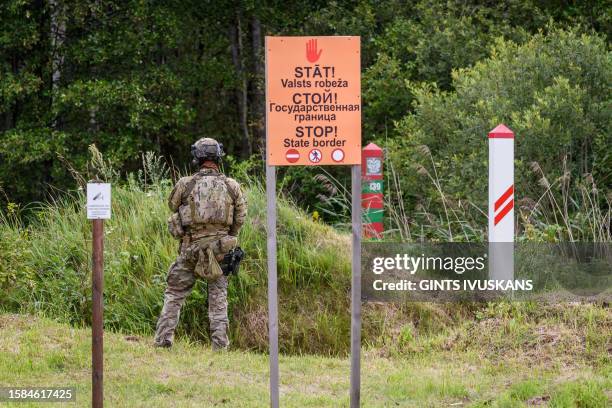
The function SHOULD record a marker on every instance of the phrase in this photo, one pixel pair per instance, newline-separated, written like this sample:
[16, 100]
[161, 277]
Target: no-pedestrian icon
[315, 155]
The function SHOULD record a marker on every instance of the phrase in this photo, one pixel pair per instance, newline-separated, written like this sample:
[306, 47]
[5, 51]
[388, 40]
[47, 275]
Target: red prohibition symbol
[315, 155]
[292, 155]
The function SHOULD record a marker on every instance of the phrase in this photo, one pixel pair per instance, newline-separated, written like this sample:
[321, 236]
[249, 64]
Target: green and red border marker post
[372, 191]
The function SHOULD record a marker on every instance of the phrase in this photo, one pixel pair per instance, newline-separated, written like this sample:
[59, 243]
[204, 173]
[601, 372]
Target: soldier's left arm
[240, 207]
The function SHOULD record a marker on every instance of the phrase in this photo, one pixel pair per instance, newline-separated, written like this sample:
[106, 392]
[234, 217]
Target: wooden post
[97, 348]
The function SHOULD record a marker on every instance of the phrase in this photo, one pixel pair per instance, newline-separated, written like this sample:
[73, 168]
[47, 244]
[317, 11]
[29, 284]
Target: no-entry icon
[292, 155]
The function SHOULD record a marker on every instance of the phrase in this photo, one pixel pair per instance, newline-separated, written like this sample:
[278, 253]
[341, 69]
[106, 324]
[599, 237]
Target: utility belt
[204, 231]
[214, 254]
[209, 246]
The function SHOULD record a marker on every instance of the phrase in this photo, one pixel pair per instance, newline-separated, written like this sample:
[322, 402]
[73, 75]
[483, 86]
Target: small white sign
[98, 201]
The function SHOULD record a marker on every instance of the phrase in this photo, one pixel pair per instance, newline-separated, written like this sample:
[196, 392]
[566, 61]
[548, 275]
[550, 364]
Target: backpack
[209, 202]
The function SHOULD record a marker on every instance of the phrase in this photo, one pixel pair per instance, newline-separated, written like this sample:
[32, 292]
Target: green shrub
[553, 91]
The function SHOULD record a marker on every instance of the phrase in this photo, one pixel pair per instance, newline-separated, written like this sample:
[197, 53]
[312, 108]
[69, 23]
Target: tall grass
[45, 269]
[45, 265]
[567, 209]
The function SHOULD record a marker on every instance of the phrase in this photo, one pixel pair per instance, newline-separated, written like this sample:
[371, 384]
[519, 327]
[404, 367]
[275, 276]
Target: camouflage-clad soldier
[208, 211]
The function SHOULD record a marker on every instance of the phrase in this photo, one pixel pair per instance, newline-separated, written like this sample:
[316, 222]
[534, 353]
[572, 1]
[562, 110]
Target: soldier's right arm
[176, 196]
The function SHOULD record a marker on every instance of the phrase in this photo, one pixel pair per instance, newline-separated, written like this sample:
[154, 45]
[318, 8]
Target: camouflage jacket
[183, 187]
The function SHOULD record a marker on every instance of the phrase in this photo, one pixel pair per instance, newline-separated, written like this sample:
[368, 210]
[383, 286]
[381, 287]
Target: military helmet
[207, 148]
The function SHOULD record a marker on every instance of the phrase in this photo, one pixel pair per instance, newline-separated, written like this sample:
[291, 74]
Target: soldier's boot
[217, 348]
[163, 344]
[219, 337]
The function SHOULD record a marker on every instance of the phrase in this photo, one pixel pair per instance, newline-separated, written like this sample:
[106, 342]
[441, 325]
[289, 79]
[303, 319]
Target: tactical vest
[209, 202]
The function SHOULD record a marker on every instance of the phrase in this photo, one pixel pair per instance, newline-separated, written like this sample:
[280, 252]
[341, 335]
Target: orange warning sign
[313, 101]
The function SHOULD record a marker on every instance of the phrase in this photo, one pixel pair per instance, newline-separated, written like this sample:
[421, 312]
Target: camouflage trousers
[181, 278]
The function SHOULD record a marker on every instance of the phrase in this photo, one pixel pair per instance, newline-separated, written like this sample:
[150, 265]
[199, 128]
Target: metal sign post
[272, 285]
[356, 287]
[98, 209]
[501, 203]
[313, 118]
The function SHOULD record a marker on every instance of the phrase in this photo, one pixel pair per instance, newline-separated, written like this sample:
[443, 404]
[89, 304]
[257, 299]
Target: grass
[568, 208]
[415, 354]
[45, 270]
[49, 259]
[39, 352]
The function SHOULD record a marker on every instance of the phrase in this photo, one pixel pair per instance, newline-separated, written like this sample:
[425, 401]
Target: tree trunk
[242, 91]
[259, 98]
[58, 35]
[8, 119]
[94, 127]
[9, 115]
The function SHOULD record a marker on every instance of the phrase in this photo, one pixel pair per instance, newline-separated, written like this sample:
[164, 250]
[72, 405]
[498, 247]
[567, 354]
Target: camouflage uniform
[181, 276]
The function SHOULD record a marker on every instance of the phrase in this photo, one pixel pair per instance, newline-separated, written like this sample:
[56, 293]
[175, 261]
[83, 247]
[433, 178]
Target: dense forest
[137, 76]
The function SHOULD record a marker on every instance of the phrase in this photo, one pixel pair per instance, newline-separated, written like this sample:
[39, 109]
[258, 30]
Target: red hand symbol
[311, 51]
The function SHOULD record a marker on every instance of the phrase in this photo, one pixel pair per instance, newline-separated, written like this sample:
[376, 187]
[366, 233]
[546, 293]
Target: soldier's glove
[231, 261]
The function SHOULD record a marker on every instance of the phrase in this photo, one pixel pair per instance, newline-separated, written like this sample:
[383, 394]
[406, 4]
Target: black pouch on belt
[231, 261]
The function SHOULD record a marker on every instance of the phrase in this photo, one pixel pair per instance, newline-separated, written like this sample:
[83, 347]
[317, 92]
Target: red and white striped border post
[501, 203]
